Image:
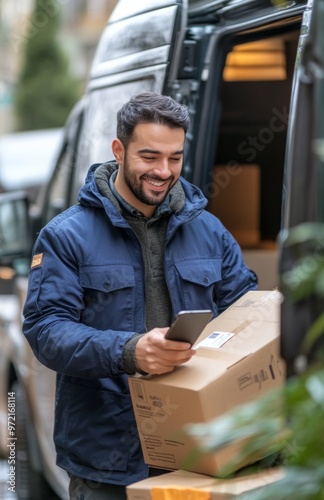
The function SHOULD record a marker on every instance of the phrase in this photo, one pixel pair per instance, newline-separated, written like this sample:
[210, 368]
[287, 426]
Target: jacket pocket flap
[204, 272]
[107, 278]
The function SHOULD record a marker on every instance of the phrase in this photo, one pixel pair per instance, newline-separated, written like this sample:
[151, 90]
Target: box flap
[199, 371]
[256, 305]
[235, 337]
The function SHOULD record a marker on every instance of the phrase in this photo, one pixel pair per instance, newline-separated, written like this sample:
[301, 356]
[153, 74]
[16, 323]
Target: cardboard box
[265, 263]
[237, 361]
[234, 197]
[174, 483]
[179, 479]
[258, 306]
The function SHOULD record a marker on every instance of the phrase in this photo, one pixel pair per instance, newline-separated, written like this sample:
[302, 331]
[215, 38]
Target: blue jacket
[86, 299]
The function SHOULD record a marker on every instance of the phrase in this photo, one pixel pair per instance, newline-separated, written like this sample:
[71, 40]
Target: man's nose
[163, 169]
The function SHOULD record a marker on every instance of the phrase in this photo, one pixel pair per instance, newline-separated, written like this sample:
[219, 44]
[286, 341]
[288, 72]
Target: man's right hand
[156, 355]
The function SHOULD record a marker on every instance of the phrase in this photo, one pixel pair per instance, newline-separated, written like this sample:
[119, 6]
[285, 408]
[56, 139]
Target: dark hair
[149, 107]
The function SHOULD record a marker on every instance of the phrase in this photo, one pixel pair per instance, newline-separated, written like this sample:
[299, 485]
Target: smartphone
[188, 325]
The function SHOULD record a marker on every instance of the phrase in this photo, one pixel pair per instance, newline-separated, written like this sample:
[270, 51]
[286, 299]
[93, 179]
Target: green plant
[45, 91]
[286, 425]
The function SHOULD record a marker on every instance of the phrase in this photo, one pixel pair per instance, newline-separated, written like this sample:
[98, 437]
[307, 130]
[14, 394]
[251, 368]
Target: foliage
[285, 425]
[298, 437]
[306, 278]
[46, 91]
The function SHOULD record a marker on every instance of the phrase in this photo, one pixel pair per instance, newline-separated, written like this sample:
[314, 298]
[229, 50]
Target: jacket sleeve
[53, 310]
[237, 278]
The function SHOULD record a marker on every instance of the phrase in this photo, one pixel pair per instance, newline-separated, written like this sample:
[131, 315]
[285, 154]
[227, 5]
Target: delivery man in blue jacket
[107, 278]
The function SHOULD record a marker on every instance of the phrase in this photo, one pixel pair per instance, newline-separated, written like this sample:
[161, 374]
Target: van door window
[137, 53]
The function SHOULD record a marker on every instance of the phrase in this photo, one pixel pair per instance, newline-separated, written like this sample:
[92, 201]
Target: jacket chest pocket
[109, 295]
[198, 282]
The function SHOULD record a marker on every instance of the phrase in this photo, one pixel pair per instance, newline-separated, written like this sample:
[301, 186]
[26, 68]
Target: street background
[82, 22]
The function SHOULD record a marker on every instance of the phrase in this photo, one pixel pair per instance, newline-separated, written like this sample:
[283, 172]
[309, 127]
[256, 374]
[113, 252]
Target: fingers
[156, 355]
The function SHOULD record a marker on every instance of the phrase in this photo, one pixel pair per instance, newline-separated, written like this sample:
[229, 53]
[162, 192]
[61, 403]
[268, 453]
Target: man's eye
[148, 157]
[176, 159]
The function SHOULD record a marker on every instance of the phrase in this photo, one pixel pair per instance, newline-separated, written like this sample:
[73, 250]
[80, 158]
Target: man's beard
[136, 187]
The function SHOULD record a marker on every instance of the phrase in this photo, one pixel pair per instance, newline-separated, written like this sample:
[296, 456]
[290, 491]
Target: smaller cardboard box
[181, 484]
[234, 197]
[237, 361]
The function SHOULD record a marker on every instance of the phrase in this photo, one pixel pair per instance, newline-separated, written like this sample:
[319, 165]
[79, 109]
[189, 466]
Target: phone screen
[188, 325]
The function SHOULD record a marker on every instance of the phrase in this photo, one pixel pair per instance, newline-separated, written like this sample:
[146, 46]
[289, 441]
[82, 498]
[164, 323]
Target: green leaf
[298, 483]
[314, 333]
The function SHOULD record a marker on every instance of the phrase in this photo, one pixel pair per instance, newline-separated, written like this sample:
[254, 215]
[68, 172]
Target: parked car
[27, 159]
[237, 66]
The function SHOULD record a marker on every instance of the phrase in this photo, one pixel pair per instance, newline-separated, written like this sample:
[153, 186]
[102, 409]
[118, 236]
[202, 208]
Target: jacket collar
[186, 199]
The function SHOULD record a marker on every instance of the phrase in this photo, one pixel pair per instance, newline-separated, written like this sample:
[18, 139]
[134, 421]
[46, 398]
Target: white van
[247, 70]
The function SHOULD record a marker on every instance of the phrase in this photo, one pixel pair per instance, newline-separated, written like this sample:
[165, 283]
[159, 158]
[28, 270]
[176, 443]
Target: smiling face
[150, 165]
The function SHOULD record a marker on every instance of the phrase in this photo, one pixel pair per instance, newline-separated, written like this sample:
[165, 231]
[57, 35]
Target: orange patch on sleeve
[37, 260]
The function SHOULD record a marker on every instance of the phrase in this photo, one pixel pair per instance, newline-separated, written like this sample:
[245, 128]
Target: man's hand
[156, 355]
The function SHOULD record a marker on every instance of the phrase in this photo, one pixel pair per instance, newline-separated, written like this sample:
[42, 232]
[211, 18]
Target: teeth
[155, 183]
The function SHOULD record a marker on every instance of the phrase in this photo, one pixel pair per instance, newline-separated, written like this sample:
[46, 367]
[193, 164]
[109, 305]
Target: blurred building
[82, 25]
[84, 22]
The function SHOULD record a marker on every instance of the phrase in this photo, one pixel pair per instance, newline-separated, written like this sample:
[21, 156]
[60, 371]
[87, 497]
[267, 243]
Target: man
[107, 278]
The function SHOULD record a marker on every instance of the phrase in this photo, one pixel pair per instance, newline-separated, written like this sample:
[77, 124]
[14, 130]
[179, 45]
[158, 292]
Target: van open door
[236, 76]
[302, 239]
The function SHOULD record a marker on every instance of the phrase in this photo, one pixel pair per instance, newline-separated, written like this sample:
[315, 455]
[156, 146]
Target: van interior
[245, 188]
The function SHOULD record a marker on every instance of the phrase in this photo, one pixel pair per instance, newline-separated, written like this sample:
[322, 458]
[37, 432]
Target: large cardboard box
[237, 361]
[183, 484]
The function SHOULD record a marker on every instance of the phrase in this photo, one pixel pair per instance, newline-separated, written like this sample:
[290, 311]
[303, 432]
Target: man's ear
[118, 151]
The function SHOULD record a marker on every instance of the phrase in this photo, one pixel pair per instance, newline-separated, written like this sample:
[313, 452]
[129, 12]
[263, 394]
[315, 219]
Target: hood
[90, 195]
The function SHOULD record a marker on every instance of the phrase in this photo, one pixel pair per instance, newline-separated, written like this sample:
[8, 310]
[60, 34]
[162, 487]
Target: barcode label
[215, 340]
